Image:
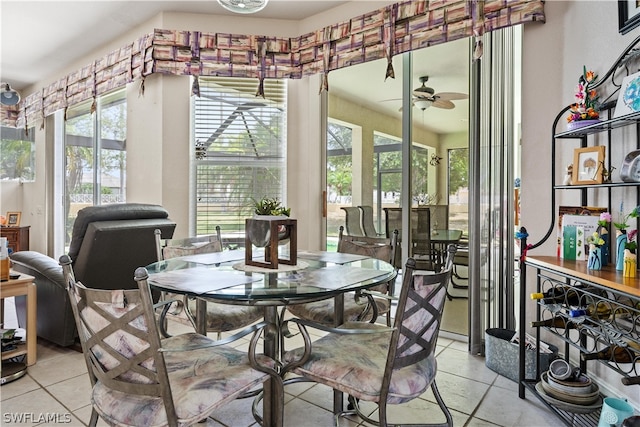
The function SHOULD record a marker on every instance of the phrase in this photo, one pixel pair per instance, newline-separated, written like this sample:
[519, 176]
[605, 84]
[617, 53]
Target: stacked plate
[580, 395]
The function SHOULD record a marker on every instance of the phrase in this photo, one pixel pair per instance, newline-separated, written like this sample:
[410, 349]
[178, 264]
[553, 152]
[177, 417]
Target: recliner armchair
[108, 243]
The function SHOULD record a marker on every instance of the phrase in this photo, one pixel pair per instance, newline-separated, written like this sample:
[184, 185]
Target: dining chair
[372, 363]
[461, 260]
[139, 379]
[353, 221]
[367, 222]
[357, 306]
[220, 317]
[421, 247]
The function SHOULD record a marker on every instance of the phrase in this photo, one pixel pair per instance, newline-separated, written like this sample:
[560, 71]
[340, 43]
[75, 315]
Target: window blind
[240, 150]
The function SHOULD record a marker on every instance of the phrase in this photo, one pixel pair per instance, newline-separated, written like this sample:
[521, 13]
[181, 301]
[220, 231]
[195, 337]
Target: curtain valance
[382, 33]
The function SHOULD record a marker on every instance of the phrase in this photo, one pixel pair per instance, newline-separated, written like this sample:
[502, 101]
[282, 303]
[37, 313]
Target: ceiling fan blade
[390, 99]
[422, 93]
[443, 103]
[451, 96]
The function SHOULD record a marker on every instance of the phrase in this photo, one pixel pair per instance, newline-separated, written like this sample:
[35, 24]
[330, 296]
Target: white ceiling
[38, 39]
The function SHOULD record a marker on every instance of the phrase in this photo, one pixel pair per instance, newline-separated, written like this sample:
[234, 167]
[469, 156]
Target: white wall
[576, 33]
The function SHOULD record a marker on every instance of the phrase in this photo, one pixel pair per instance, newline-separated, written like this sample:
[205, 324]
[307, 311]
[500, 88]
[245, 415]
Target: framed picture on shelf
[628, 15]
[588, 163]
[13, 219]
[628, 96]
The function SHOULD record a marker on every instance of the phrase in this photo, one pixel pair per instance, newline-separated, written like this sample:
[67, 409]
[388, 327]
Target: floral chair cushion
[201, 380]
[323, 312]
[355, 364]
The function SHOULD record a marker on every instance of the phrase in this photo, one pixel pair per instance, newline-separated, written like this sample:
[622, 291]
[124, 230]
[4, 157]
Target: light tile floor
[58, 386]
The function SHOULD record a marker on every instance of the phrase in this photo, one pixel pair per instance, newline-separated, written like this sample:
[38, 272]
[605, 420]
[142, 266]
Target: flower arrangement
[631, 244]
[595, 239]
[586, 105]
[622, 224]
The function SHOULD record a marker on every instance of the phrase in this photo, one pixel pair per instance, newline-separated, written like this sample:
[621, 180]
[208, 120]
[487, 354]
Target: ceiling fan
[425, 97]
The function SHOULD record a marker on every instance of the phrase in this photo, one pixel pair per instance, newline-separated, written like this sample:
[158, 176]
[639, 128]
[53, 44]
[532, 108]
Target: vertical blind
[240, 150]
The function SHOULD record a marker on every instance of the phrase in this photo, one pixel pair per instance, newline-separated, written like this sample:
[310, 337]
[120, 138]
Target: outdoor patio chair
[367, 222]
[353, 221]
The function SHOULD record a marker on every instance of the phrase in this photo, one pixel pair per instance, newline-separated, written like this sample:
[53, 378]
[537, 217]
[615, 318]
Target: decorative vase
[259, 232]
[630, 264]
[621, 241]
[604, 248]
[594, 262]
[581, 123]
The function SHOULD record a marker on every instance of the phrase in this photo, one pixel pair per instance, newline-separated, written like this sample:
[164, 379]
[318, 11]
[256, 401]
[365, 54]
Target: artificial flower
[586, 105]
[605, 218]
[622, 225]
[631, 244]
[595, 239]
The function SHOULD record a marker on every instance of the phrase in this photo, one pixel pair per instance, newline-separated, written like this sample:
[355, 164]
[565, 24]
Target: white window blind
[240, 150]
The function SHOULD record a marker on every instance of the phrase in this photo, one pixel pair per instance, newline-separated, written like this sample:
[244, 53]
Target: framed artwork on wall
[13, 219]
[628, 96]
[587, 165]
[628, 15]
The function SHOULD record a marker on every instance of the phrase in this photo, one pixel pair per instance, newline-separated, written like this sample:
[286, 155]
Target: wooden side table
[23, 285]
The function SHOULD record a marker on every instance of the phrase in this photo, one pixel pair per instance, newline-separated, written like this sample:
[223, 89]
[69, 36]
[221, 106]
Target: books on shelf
[575, 224]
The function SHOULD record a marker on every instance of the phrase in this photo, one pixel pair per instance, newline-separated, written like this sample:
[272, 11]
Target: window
[17, 155]
[95, 155]
[240, 151]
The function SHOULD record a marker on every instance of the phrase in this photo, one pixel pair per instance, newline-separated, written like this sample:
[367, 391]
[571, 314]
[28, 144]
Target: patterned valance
[382, 33]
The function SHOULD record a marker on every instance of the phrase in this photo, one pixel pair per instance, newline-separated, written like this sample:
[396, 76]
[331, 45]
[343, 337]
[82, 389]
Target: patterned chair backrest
[379, 248]
[173, 248]
[418, 316]
[119, 341]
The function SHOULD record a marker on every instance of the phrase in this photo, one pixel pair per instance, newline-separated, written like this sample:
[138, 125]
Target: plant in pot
[267, 209]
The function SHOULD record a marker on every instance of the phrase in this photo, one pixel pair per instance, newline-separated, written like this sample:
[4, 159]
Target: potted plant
[267, 209]
[269, 206]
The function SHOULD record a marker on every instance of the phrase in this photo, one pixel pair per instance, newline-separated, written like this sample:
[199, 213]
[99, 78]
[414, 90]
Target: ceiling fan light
[8, 95]
[423, 104]
[243, 6]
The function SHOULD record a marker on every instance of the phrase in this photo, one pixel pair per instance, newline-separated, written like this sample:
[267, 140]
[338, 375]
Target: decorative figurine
[568, 176]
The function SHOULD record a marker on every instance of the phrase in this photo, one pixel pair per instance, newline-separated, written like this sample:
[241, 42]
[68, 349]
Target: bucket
[614, 411]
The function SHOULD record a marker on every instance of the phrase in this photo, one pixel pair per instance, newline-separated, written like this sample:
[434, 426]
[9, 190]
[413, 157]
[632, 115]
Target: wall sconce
[9, 96]
[243, 6]
[435, 160]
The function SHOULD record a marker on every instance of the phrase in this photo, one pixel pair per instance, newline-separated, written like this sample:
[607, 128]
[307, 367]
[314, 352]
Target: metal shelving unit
[607, 288]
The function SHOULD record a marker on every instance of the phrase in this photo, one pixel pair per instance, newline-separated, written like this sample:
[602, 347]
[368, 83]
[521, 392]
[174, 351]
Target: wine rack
[599, 316]
[612, 320]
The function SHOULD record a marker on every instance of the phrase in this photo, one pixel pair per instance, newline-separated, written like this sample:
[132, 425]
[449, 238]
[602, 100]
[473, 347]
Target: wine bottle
[567, 295]
[554, 322]
[631, 380]
[614, 353]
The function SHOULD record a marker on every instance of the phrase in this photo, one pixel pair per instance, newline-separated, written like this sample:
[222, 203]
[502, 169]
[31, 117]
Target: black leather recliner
[107, 244]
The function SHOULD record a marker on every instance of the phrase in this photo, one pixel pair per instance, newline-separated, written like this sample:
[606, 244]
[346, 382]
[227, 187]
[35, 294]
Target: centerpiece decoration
[630, 257]
[595, 241]
[269, 228]
[621, 234]
[584, 111]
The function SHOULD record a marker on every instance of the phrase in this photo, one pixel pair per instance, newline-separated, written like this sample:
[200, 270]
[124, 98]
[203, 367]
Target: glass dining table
[224, 278]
